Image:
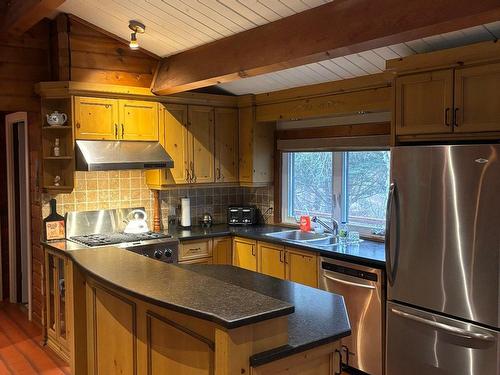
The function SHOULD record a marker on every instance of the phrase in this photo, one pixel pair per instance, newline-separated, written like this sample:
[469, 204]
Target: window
[349, 186]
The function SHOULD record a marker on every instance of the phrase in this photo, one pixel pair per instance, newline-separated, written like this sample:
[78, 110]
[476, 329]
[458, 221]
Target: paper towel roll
[185, 212]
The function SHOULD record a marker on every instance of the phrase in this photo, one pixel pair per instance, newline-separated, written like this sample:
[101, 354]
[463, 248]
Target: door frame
[10, 120]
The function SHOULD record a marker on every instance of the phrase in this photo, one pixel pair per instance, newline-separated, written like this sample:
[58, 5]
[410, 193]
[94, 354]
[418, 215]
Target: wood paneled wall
[25, 61]
[87, 54]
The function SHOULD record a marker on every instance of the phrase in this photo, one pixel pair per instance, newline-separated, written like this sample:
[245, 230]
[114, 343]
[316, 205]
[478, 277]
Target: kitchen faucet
[334, 229]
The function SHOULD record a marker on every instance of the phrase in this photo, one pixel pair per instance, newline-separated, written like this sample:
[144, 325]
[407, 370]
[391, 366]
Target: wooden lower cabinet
[271, 259]
[302, 267]
[57, 303]
[222, 250]
[245, 254]
[126, 335]
[195, 250]
[288, 263]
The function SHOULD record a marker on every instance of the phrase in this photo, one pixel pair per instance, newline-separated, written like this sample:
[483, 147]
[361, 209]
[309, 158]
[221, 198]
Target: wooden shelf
[57, 157]
[56, 127]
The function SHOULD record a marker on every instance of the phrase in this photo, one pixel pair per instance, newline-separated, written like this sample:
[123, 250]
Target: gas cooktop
[104, 239]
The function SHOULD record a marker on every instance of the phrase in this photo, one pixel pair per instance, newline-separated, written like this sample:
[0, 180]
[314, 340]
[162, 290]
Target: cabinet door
[175, 141]
[424, 103]
[222, 250]
[201, 132]
[271, 260]
[226, 145]
[96, 118]
[138, 120]
[477, 99]
[246, 125]
[245, 254]
[302, 267]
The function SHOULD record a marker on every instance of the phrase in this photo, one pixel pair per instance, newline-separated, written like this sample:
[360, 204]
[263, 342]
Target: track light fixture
[137, 28]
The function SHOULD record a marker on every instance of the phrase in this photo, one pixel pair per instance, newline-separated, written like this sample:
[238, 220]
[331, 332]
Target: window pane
[367, 186]
[310, 184]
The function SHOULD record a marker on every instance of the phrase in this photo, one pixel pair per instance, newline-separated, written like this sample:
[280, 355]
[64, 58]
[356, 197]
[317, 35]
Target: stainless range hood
[114, 155]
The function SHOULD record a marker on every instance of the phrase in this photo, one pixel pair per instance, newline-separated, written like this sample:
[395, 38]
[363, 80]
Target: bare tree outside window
[365, 185]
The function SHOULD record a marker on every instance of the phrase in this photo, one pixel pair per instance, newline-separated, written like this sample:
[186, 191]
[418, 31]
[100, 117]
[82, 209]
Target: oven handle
[351, 283]
[445, 327]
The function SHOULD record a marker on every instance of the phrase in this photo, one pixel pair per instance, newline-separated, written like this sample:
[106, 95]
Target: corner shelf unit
[64, 164]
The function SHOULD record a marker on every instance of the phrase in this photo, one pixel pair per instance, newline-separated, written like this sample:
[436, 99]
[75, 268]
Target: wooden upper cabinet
[424, 103]
[477, 99]
[245, 254]
[96, 118]
[175, 141]
[201, 131]
[138, 120]
[226, 145]
[256, 149]
[271, 260]
[302, 267]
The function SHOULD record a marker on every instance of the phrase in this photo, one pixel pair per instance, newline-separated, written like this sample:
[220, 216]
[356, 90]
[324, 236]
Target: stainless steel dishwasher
[363, 291]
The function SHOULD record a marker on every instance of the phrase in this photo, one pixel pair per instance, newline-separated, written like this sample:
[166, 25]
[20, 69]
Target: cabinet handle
[78, 125]
[455, 117]
[116, 131]
[123, 131]
[195, 249]
[188, 176]
[446, 116]
[193, 176]
[281, 256]
[218, 173]
[253, 250]
[285, 258]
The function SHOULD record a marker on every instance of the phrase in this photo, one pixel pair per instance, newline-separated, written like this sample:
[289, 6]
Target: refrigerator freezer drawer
[419, 343]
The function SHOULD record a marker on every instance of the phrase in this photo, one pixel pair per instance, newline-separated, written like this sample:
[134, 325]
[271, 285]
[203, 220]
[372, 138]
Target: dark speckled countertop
[368, 253]
[229, 296]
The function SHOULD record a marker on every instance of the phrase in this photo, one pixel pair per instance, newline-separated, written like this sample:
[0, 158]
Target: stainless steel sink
[299, 236]
[328, 241]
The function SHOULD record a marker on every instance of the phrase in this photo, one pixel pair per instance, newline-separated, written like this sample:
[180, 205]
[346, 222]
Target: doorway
[18, 209]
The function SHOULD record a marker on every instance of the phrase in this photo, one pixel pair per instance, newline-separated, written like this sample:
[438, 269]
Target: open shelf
[58, 157]
[56, 127]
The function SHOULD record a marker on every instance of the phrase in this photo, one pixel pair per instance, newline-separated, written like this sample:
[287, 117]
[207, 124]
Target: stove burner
[116, 238]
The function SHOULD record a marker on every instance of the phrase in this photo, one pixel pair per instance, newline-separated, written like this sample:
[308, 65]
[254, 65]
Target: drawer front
[198, 261]
[195, 250]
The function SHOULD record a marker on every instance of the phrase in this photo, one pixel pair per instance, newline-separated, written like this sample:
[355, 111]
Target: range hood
[115, 155]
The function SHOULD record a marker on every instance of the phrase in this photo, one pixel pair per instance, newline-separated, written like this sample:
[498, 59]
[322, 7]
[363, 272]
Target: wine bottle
[54, 225]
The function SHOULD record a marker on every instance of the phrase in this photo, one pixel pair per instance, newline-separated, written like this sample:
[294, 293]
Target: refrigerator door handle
[391, 204]
[445, 327]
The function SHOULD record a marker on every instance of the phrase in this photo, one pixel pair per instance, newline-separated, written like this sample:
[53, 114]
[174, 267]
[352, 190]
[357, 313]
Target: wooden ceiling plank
[22, 15]
[332, 30]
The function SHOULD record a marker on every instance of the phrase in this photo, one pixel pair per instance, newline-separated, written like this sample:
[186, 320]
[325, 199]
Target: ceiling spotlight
[137, 28]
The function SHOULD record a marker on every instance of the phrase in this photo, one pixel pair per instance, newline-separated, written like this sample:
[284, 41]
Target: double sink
[323, 240]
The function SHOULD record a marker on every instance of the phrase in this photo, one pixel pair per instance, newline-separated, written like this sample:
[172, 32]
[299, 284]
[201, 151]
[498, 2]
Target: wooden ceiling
[173, 26]
[358, 64]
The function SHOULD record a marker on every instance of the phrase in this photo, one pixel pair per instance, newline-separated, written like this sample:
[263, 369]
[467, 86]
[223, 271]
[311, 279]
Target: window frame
[339, 181]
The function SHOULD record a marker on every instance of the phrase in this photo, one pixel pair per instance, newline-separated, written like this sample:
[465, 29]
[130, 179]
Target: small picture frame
[55, 230]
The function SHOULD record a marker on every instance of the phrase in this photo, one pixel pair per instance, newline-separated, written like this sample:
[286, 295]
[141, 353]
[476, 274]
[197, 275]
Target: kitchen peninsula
[194, 319]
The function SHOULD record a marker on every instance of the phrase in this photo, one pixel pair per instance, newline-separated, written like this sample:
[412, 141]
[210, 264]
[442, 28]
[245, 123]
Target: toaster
[242, 215]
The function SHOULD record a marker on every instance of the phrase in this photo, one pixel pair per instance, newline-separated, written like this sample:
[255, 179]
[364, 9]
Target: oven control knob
[158, 254]
[168, 253]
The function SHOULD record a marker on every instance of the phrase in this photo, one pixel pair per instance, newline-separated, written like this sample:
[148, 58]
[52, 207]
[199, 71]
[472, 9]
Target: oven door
[362, 290]
[420, 342]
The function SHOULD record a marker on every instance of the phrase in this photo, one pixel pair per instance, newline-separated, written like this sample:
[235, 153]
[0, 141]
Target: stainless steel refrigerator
[442, 253]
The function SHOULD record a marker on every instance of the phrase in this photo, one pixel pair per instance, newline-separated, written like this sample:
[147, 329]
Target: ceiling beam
[21, 15]
[335, 29]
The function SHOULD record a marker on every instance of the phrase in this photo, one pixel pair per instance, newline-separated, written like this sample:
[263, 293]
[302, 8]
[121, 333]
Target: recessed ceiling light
[136, 27]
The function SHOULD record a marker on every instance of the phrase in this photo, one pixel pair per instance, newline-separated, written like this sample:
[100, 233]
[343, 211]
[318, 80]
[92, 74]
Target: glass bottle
[57, 149]
[343, 233]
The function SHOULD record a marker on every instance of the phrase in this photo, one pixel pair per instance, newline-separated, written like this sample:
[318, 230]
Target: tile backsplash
[122, 189]
[102, 190]
[215, 200]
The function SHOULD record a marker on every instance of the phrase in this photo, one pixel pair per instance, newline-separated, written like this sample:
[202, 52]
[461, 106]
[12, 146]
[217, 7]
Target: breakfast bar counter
[135, 315]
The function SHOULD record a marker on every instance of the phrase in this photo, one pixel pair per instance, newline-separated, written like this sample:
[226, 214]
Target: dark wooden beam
[21, 15]
[335, 29]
